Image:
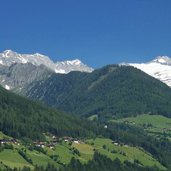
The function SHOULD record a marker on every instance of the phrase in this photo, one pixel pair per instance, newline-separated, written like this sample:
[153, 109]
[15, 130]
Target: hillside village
[51, 141]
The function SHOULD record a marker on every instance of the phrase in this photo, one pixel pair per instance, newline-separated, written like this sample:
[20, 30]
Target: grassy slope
[124, 152]
[154, 124]
[64, 151]
[12, 159]
[2, 166]
[3, 136]
[86, 150]
[40, 159]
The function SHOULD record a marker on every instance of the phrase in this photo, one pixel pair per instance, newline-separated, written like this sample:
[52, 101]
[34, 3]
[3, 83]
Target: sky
[98, 32]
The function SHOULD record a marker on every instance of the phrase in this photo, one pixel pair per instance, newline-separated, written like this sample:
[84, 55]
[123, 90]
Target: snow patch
[24, 61]
[75, 62]
[7, 87]
[161, 60]
[61, 71]
[156, 70]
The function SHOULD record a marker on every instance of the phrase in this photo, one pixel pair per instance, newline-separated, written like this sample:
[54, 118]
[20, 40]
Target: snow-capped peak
[74, 62]
[72, 65]
[162, 60]
[8, 57]
[70, 62]
[8, 53]
[160, 68]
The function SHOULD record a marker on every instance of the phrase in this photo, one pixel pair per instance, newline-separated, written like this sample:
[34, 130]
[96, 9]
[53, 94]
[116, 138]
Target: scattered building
[105, 126]
[8, 141]
[76, 142]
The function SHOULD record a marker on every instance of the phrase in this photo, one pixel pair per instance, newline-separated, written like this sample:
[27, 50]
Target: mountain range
[8, 57]
[159, 68]
[77, 107]
[19, 70]
[113, 90]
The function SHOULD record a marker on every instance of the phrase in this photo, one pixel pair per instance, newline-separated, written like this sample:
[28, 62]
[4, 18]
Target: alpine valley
[67, 116]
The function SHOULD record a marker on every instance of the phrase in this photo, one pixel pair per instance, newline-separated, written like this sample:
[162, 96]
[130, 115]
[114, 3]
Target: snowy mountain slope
[9, 57]
[74, 65]
[160, 68]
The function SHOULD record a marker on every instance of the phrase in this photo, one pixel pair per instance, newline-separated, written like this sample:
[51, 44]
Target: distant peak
[38, 54]
[8, 53]
[75, 62]
[71, 62]
[162, 60]
[162, 57]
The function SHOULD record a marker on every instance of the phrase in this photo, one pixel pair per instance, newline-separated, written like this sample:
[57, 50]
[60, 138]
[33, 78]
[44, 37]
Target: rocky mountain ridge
[9, 57]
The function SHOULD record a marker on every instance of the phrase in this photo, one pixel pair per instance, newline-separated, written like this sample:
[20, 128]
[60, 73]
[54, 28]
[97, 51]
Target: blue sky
[98, 32]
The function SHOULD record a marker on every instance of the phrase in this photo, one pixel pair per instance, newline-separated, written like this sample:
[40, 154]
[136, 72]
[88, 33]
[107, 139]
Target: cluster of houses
[70, 139]
[51, 143]
[54, 141]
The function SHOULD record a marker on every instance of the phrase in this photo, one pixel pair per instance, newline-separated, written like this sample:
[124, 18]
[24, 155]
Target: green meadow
[156, 125]
[13, 159]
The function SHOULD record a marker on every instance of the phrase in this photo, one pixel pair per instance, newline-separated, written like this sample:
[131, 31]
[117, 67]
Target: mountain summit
[162, 60]
[8, 57]
[159, 68]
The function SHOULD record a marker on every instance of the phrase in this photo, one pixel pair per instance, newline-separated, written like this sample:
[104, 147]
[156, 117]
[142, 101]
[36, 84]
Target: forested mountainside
[116, 91]
[20, 118]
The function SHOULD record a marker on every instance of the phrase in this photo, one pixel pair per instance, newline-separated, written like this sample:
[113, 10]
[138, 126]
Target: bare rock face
[9, 57]
[19, 75]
